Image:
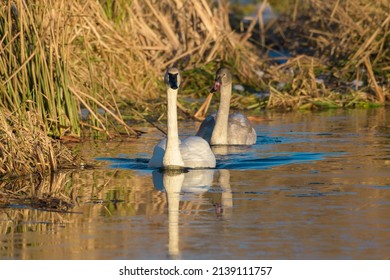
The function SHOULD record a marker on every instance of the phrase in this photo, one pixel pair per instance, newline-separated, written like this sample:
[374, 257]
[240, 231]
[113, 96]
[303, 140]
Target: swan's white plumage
[195, 151]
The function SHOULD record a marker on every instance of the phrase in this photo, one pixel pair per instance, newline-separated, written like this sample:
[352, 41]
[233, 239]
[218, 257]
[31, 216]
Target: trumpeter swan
[224, 128]
[171, 153]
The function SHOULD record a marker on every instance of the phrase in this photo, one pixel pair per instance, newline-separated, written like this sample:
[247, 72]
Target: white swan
[171, 153]
[224, 128]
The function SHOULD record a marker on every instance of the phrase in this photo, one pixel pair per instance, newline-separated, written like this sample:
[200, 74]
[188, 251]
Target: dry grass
[342, 41]
[58, 57]
[25, 147]
[188, 33]
[107, 52]
[50, 63]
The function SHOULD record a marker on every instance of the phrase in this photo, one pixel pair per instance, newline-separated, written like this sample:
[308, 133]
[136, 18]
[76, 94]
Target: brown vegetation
[25, 147]
[340, 42]
[61, 58]
[50, 193]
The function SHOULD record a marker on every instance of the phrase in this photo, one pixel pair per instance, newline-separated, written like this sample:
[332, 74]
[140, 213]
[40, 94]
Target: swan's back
[195, 151]
[240, 131]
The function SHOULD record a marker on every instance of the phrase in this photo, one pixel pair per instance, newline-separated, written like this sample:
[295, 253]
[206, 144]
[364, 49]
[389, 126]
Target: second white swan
[224, 128]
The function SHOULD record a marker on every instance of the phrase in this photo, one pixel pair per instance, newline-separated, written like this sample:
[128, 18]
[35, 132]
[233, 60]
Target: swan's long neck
[219, 136]
[172, 157]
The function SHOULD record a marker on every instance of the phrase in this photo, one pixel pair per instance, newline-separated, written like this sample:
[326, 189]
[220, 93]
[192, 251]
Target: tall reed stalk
[41, 72]
[33, 67]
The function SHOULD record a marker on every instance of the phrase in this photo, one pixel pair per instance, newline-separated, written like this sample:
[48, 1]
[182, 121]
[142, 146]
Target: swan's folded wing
[197, 153]
[240, 130]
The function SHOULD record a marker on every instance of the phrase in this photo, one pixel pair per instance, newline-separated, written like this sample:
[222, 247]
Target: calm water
[315, 186]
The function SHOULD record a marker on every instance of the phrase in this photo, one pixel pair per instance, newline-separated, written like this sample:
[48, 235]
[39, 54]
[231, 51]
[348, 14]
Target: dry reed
[109, 51]
[49, 64]
[349, 43]
[25, 147]
[59, 57]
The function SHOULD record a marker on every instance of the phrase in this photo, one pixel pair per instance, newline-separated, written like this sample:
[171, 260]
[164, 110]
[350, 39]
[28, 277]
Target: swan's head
[172, 78]
[223, 78]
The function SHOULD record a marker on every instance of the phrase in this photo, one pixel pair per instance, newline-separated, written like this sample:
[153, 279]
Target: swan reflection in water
[180, 186]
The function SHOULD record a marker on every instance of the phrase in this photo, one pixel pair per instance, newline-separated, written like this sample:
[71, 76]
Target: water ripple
[241, 161]
[253, 162]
